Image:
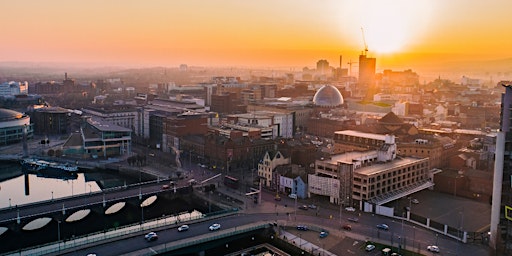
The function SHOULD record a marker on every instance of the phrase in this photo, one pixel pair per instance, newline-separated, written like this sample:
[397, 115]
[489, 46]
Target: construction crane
[364, 41]
[350, 67]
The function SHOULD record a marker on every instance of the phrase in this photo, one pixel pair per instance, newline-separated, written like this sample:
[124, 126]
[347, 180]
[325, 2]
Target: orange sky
[260, 33]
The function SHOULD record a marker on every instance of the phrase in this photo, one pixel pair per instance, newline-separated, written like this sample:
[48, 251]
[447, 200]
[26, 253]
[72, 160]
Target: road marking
[153, 251]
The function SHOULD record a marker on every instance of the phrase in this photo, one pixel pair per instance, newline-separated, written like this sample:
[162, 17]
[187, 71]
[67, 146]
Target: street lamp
[52, 195]
[340, 211]
[58, 233]
[295, 206]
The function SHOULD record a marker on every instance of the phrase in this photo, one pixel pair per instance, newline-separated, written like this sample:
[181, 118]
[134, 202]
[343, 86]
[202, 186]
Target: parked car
[383, 226]
[312, 206]
[353, 219]
[183, 228]
[324, 234]
[303, 207]
[433, 248]
[347, 227]
[370, 247]
[165, 186]
[292, 196]
[302, 227]
[151, 236]
[215, 226]
[415, 201]
[350, 209]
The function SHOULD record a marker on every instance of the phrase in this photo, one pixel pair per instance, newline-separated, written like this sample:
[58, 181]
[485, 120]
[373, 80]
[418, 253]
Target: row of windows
[347, 138]
[392, 180]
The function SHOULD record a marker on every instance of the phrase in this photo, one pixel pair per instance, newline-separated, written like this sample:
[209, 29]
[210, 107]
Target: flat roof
[105, 127]
[380, 167]
[362, 134]
[350, 156]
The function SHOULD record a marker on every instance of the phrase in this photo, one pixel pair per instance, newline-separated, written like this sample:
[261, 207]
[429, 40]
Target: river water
[17, 188]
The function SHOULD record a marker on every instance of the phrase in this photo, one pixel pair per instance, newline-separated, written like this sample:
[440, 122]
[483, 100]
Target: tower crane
[364, 41]
[350, 67]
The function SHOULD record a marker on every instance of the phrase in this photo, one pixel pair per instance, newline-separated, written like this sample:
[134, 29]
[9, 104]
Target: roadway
[339, 242]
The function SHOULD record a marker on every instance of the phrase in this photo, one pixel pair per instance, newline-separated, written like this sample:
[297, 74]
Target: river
[17, 188]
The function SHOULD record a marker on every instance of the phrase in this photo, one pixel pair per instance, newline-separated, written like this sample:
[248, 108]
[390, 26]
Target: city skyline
[400, 34]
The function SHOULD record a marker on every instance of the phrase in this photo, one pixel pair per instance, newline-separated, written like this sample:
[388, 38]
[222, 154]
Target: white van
[293, 196]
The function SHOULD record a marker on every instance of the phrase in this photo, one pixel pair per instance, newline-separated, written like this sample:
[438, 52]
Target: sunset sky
[258, 33]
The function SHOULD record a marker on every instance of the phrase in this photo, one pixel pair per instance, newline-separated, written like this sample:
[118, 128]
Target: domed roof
[7, 114]
[328, 96]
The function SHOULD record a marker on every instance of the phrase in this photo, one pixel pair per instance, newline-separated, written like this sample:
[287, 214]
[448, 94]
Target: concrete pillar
[496, 190]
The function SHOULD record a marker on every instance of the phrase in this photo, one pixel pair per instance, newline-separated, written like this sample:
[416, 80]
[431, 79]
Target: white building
[10, 89]
[281, 122]
[268, 164]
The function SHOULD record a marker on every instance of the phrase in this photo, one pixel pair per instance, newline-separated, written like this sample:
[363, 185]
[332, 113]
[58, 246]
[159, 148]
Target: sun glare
[389, 25]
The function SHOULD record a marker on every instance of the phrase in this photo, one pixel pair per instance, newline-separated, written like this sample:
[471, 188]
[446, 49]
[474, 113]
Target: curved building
[328, 96]
[13, 126]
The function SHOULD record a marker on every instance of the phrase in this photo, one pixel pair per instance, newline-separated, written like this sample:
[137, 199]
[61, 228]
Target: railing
[105, 236]
[175, 245]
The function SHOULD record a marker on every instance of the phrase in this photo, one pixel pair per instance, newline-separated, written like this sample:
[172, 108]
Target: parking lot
[472, 216]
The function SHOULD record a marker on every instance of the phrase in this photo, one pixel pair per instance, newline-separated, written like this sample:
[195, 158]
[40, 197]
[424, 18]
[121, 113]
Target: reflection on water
[17, 188]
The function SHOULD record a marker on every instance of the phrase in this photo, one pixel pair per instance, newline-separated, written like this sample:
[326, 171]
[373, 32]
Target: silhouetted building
[51, 120]
[367, 75]
[501, 214]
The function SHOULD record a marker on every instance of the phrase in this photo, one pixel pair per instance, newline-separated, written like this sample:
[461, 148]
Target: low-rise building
[268, 164]
[98, 139]
[372, 176]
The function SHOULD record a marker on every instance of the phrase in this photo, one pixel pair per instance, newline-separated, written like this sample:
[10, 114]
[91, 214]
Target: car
[347, 227]
[353, 219]
[302, 227]
[370, 247]
[324, 234]
[312, 206]
[151, 236]
[350, 209]
[165, 186]
[215, 226]
[303, 207]
[433, 248]
[183, 228]
[383, 226]
[415, 201]
[292, 196]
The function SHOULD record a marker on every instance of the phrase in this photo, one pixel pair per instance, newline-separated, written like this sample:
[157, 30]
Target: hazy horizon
[401, 34]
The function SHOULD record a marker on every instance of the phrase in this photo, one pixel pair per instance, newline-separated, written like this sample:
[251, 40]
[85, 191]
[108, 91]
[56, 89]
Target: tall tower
[367, 74]
[367, 71]
[501, 212]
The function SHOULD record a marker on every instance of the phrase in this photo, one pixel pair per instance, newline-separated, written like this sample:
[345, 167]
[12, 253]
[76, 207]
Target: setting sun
[389, 26]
